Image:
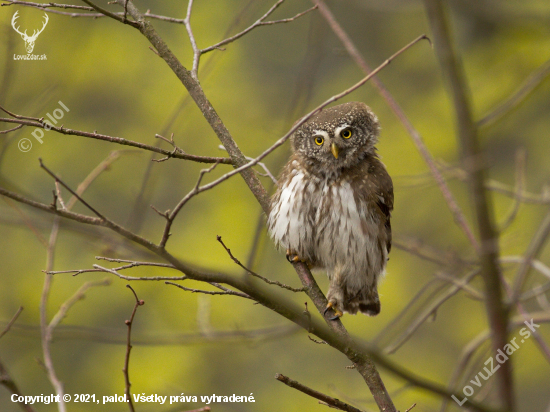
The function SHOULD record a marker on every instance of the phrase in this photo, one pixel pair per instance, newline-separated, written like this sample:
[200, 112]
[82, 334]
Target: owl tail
[366, 303]
[370, 307]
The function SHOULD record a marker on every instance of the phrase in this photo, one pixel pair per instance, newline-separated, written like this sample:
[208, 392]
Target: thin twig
[209, 292]
[114, 271]
[11, 130]
[519, 185]
[45, 329]
[57, 179]
[335, 403]
[262, 165]
[432, 307]
[258, 23]
[48, 7]
[535, 79]
[7, 381]
[114, 16]
[125, 370]
[172, 215]
[533, 250]
[11, 322]
[196, 51]
[78, 295]
[266, 280]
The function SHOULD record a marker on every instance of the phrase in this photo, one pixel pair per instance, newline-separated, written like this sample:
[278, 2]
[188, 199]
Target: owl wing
[375, 187]
[385, 202]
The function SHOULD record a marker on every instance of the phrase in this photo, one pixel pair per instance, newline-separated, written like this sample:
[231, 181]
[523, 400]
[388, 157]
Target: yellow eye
[346, 133]
[319, 140]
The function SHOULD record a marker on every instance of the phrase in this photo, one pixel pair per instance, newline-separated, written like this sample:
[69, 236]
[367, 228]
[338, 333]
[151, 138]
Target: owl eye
[319, 140]
[346, 133]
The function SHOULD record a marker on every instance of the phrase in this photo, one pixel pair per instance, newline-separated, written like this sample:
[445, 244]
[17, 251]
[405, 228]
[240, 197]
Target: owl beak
[334, 150]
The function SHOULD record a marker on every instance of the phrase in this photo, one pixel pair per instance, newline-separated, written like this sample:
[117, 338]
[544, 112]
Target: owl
[333, 204]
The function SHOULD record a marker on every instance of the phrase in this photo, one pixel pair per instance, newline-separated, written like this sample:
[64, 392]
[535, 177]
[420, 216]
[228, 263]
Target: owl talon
[337, 316]
[337, 313]
[293, 257]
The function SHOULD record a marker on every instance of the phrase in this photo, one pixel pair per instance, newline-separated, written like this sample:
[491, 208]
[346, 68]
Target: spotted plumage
[333, 203]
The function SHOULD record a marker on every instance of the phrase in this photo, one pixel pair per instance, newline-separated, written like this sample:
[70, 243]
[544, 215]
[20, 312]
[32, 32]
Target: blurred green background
[112, 82]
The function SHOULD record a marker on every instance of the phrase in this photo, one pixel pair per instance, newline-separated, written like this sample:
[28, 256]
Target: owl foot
[337, 313]
[293, 257]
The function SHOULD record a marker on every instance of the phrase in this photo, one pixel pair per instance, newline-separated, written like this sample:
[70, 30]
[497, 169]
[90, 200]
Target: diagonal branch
[269, 282]
[474, 164]
[333, 402]
[114, 16]
[535, 79]
[76, 195]
[260, 22]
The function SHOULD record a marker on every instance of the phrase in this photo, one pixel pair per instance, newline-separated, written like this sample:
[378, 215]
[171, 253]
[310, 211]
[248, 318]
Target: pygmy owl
[333, 203]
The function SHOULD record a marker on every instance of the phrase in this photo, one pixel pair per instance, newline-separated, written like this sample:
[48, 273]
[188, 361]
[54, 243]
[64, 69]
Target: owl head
[336, 138]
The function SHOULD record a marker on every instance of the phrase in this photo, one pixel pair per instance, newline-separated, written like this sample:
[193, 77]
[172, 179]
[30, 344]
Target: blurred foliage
[112, 82]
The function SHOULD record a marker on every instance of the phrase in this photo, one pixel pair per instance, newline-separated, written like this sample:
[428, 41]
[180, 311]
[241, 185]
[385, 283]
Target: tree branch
[474, 164]
[125, 370]
[333, 332]
[333, 402]
[35, 122]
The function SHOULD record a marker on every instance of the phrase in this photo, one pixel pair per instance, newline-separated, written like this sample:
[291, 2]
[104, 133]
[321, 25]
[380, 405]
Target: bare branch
[209, 292]
[520, 184]
[195, 191]
[11, 130]
[57, 179]
[411, 407]
[473, 163]
[257, 23]
[45, 329]
[49, 8]
[133, 263]
[35, 122]
[333, 402]
[78, 295]
[458, 215]
[5, 378]
[535, 79]
[114, 271]
[270, 282]
[430, 309]
[11, 322]
[533, 250]
[262, 165]
[490, 184]
[114, 16]
[125, 370]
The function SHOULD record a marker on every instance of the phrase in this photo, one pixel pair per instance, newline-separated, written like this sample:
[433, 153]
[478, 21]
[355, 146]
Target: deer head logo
[29, 40]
